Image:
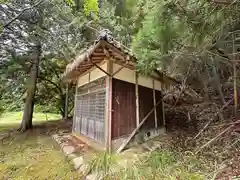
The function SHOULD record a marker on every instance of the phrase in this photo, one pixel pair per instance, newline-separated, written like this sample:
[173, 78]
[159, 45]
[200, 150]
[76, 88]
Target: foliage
[56, 51]
[1, 108]
[171, 28]
[161, 165]
[91, 6]
[103, 162]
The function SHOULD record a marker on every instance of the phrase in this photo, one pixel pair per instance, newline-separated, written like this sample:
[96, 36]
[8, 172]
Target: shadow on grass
[33, 154]
[43, 127]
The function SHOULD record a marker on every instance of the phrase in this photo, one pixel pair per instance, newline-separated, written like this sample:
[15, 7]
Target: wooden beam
[110, 69]
[137, 98]
[74, 110]
[89, 79]
[97, 58]
[163, 114]
[137, 128]
[106, 114]
[66, 103]
[108, 122]
[118, 51]
[154, 103]
[123, 66]
[99, 68]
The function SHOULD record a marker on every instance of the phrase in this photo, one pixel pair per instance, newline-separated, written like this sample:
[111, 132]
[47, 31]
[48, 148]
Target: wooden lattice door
[90, 115]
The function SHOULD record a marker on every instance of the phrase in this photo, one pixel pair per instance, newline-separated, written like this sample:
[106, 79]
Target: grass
[159, 164]
[13, 119]
[16, 117]
[34, 154]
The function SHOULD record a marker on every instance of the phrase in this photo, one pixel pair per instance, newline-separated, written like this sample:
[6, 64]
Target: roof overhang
[93, 56]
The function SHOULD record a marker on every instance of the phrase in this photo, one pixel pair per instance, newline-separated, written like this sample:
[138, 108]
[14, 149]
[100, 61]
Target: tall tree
[31, 87]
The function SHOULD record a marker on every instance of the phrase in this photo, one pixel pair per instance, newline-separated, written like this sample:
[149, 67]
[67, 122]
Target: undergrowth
[164, 165]
[103, 162]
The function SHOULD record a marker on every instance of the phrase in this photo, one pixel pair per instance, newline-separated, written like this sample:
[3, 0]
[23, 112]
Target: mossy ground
[34, 155]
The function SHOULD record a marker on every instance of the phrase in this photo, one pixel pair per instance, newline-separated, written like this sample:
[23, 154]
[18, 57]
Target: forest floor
[34, 154]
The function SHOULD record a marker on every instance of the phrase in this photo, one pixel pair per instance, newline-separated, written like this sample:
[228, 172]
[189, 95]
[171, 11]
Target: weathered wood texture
[146, 104]
[90, 111]
[124, 108]
[159, 109]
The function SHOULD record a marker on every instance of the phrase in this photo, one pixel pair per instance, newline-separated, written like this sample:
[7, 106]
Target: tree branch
[17, 16]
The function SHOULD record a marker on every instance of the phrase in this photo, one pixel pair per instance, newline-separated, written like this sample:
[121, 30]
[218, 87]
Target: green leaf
[91, 6]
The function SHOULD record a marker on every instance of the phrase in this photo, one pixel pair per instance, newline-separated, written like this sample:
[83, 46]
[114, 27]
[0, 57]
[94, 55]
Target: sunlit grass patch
[16, 117]
[12, 120]
[33, 157]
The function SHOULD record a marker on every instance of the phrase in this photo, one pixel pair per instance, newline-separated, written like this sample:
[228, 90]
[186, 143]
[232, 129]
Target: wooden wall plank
[124, 108]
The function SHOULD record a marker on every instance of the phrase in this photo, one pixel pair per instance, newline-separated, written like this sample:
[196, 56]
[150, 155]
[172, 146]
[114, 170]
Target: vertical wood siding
[124, 107]
[159, 109]
[145, 105]
[90, 111]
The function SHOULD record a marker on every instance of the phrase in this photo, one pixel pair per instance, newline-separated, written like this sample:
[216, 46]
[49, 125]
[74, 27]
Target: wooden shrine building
[113, 102]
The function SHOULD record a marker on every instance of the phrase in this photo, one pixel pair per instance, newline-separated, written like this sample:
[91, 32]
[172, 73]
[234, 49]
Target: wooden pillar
[74, 110]
[154, 104]
[66, 103]
[108, 127]
[163, 114]
[137, 98]
[234, 75]
[163, 110]
[106, 113]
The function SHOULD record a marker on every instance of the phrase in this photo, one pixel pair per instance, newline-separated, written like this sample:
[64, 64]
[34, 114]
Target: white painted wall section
[83, 79]
[128, 75]
[125, 74]
[145, 81]
[158, 85]
[97, 73]
[94, 75]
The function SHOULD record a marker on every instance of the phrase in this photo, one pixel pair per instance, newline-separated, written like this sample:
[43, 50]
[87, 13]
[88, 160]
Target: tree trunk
[31, 89]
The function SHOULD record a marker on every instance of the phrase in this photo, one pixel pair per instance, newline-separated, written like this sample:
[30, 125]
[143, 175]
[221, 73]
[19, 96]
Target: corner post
[66, 103]
[154, 104]
[74, 110]
[137, 98]
[108, 143]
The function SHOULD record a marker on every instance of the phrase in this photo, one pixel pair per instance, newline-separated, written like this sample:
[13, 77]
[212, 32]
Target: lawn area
[34, 155]
[16, 117]
[10, 120]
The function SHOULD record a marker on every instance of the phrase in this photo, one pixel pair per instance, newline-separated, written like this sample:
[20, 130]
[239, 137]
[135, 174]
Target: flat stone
[63, 144]
[54, 136]
[95, 176]
[68, 136]
[58, 140]
[71, 157]
[84, 169]
[62, 132]
[68, 150]
[78, 162]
